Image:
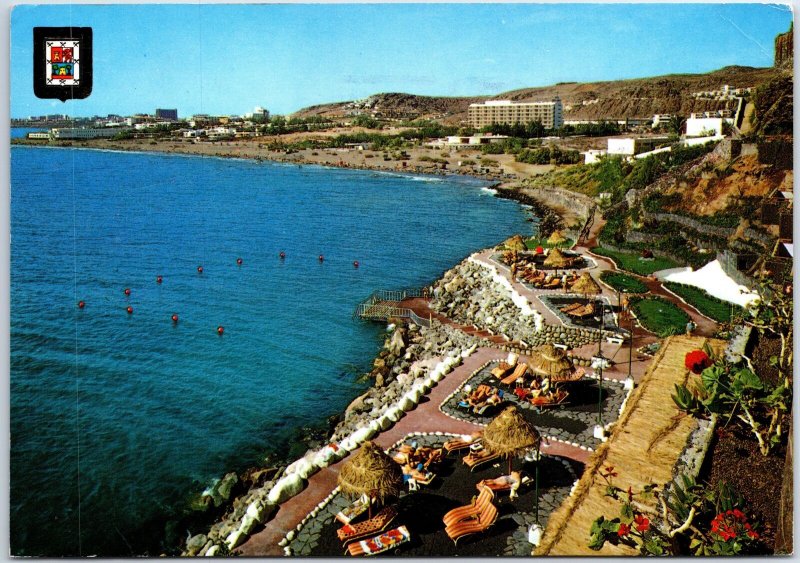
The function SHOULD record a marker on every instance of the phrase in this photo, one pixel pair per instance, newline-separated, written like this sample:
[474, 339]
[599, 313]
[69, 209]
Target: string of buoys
[199, 269]
[321, 258]
[238, 261]
[282, 255]
[355, 263]
[130, 310]
[127, 291]
[159, 279]
[220, 330]
[81, 304]
[174, 319]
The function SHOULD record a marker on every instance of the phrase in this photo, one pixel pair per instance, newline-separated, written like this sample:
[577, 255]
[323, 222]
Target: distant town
[488, 122]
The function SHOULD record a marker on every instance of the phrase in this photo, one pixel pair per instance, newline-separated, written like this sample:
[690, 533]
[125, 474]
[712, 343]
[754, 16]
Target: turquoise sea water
[116, 417]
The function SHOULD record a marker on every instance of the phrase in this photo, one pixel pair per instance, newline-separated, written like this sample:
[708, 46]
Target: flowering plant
[696, 361]
[685, 520]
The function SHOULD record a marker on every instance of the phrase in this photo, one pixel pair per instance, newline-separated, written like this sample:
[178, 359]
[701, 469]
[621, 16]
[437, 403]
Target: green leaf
[695, 543]
[597, 526]
[626, 513]
[597, 542]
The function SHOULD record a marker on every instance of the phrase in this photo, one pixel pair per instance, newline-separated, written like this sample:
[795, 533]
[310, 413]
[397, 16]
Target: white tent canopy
[713, 280]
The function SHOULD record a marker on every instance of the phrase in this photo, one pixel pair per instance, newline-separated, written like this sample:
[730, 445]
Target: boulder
[195, 544]
[221, 491]
[397, 343]
[285, 488]
[212, 551]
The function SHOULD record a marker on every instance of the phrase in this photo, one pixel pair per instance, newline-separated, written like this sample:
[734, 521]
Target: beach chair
[476, 459]
[434, 458]
[482, 522]
[458, 444]
[518, 372]
[471, 510]
[558, 397]
[378, 523]
[501, 370]
[501, 487]
[380, 543]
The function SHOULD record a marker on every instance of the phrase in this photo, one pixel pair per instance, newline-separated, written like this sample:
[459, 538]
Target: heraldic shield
[62, 62]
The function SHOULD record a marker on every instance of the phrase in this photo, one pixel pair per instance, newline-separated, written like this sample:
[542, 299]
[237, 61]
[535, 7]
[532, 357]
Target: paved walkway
[643, 448]
[426, 417]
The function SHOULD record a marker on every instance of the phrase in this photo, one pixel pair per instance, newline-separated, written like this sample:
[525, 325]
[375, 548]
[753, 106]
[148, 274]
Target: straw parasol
[556, 238]
[585, 285]
[552, 362]
[371, 472]
[515, 243]
[556, 259]
[509, 434]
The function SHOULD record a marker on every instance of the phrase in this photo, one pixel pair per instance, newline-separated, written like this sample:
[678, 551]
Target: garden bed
[659, 316]
[712, 307]
[623, 282]
[634, 263]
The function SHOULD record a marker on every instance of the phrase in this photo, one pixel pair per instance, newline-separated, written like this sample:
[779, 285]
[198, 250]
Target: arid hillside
[618, 99]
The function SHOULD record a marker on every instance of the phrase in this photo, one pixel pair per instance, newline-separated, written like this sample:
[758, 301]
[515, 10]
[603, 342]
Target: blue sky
[228, 58]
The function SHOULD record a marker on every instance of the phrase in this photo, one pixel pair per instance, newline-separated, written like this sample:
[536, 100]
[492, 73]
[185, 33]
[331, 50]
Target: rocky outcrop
[784, 49]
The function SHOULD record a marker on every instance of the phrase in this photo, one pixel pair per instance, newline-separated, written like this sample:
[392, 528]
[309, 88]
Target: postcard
[422, 280]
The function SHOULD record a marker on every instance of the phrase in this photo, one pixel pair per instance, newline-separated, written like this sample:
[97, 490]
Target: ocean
[116, 417]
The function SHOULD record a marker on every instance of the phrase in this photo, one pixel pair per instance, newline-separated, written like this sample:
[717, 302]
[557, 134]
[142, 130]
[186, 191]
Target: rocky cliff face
[784, 49]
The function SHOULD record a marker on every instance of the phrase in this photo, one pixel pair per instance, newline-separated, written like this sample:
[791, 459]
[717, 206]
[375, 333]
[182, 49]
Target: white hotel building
[550, 114]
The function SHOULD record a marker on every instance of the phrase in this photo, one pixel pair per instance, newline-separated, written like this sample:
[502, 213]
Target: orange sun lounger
[474, 459]
[518, 372]
[468, 511]
[482, 522]
[378, 523]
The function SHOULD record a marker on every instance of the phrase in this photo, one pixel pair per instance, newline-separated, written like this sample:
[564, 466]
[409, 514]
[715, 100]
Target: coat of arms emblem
[62, 62]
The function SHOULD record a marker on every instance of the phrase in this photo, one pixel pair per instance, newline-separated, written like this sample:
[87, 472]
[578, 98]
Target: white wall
[621, 146]
[695, 126]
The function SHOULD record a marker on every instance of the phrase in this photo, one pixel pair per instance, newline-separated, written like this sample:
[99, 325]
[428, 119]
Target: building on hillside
[698, 125]
[258, 114]
[628, 146]
[662, 119]
[167, 114]
[550, 114]
[85, 132]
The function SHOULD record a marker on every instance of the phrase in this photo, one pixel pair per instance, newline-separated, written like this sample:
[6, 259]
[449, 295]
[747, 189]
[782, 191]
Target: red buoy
[239, 261]
[355, 264]
[175, 318]
[130, 310]
[321, 258]
[282, 255]
[81, 304]
[220, 330]
[199, 269]
[539, 250]
[127, 291]
[159, 279]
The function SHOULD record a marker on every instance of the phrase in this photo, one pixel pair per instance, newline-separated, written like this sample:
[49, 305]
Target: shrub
[717, 309]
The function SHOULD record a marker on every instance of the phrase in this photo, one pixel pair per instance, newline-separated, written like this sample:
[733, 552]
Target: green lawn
[623, 282]
[717, 309]
[660, 316]
[632, 263]
[532, 243]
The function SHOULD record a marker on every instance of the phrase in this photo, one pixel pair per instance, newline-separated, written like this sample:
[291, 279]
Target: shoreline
[311, 436]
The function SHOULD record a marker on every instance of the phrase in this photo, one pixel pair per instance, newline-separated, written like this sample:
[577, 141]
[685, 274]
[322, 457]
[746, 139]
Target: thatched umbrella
[556, 238]
[515, 243]
[371, 472]
[509, 434]
[556, 259]
[585, 285]
[552, 362]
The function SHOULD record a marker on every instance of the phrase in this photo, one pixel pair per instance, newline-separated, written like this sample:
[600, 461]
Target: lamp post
[535, 531]
[599, 361]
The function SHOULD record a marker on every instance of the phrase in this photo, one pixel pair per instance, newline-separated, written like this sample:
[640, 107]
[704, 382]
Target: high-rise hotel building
[550, 114]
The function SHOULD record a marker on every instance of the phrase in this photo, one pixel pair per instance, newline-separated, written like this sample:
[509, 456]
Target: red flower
[739, 515]
[752, 535]
[642, 523]
[696, 361]
[624, 530]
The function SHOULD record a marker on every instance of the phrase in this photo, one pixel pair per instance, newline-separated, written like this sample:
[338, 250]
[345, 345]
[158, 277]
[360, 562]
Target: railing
[384, 304]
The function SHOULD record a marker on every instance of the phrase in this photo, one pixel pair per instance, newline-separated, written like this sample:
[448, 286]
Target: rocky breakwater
[476, 294]
[413, 360]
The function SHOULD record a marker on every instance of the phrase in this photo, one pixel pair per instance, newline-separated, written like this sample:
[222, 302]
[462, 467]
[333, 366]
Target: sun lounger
[501, 370]
[352, 512]
[471, 510]
[502, 487]
[518, 372]
[482, 521]
[435, 457]
[475, 459]
[381, 543]
[376, 524]
[557, 398]
[458, 444]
